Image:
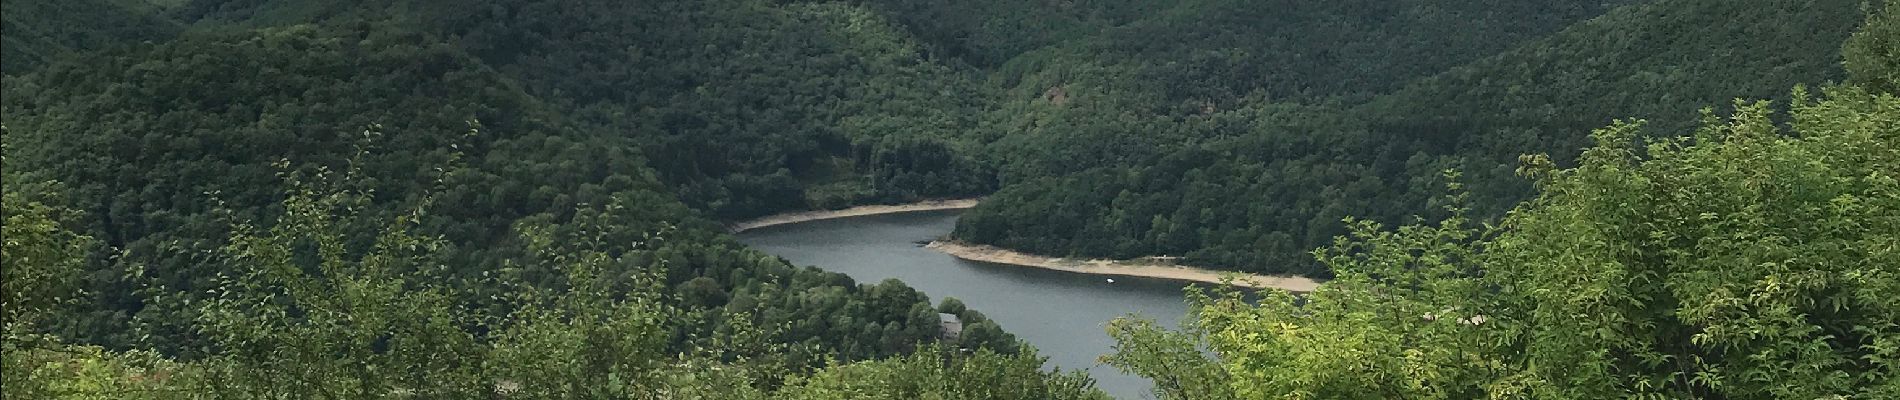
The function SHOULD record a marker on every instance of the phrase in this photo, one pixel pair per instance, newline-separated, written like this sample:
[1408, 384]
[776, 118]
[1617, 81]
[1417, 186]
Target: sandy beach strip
[804, 216]
[1150, 269]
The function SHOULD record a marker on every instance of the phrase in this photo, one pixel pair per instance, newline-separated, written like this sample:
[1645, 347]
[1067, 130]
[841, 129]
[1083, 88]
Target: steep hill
[162, 146]
[1250, 187]
[768, 108]
[550, 175]
[1659, 62]
[759, 107]
[39, 32]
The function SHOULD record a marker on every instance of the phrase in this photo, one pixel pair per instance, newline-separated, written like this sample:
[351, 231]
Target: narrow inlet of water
[1063, 314]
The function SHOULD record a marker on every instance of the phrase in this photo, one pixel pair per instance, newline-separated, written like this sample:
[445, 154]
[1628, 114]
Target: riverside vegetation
[524, 199]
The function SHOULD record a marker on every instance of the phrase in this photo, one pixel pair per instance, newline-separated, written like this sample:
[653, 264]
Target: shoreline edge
[1137, 268]
[1146, 268]
[858, 211]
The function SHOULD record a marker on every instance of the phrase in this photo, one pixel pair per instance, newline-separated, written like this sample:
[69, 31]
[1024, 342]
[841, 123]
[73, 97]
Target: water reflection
[1063, 314]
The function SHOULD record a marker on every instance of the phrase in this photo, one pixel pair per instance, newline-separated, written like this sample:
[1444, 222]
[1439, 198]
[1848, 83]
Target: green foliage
[146, 136]
[42, 32]
[756, 116]
[567, 244]
[40, 367]
[42, 255]
[311, 313]
[304, 314]
[167, 143]
[40, 261]
[988, 33]
[1189, 159]
[1657, 61]
[1873, 53]
[1175, 112]
[1173, 359]
[939, 373]
[1180, 58]
[1741, 262]
[143, 138]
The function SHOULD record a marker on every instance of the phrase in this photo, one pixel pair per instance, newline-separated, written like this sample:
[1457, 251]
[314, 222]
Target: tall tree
[1873, 54]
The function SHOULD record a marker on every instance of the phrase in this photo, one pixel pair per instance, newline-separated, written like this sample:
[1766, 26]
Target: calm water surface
[1063, 314]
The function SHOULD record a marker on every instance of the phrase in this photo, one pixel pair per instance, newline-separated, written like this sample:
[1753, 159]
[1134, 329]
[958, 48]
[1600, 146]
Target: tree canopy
[1747, 260]
[451, 199]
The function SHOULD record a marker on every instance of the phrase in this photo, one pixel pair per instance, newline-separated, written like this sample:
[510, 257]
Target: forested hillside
[1659, 62]
[38, 32]
[1749, 262]
[327, 300]
[452, 199]
[1252, 186]
[185, 162]
[783, 108]
[769, 108]
[1751, 258]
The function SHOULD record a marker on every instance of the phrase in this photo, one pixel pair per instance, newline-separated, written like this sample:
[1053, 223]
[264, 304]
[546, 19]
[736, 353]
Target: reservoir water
[1063, 314]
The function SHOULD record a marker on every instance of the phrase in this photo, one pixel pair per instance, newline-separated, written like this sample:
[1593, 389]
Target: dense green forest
[1753, 256]
[38, 32]
[1750, 259]
[487, 198]
[1251, 179]
[178, 159]
[330, 300]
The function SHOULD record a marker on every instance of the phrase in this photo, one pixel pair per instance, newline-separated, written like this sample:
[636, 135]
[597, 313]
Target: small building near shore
[950, 327]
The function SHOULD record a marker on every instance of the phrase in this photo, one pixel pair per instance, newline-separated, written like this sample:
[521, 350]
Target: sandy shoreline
[1150, 269]
[998, 255]
[804, 216]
